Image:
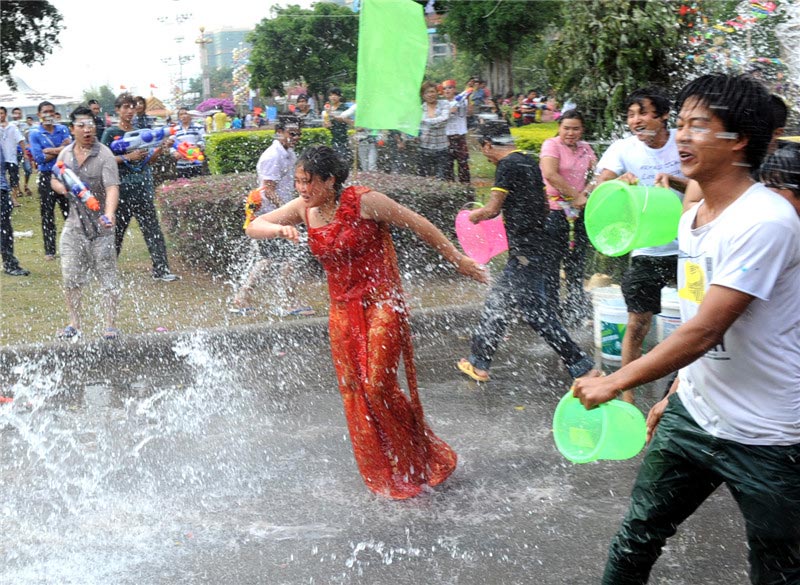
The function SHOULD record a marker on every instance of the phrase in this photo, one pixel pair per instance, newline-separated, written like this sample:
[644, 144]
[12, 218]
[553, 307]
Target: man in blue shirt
[47, 140]
[10, 263]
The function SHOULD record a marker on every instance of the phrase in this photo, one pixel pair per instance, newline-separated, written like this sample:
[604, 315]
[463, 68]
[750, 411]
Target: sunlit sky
[123, 43]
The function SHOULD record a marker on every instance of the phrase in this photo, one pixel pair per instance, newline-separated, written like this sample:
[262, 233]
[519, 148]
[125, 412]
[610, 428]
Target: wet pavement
[223, 457]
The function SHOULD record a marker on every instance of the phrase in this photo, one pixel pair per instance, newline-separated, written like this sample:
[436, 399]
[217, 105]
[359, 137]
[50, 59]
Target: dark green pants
[682, 467]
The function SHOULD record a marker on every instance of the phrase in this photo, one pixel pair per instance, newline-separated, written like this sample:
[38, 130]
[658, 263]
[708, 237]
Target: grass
[33, 310]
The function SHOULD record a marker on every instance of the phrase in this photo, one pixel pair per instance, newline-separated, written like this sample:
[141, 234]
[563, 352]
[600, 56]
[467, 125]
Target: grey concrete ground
[223, 457]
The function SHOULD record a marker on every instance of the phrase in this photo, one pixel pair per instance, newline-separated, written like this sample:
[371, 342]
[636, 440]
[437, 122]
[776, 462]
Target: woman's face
[313, 190]
[430, 95]
[570, 131]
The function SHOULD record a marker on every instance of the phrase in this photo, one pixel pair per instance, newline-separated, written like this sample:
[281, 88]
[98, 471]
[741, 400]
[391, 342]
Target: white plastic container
[669, 319]
[607, 302]
[613, 322]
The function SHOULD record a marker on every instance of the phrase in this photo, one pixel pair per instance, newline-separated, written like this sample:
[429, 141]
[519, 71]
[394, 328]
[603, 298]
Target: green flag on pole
[392, 54]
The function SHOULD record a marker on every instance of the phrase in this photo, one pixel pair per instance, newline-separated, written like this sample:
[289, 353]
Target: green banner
[392, 54]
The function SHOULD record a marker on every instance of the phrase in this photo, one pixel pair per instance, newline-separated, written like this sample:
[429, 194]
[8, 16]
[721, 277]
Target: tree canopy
[29, 33]
[104, 95]
[318, 46]
[493, 30]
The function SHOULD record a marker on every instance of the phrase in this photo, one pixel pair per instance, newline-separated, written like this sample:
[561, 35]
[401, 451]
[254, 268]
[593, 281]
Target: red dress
[396, 451]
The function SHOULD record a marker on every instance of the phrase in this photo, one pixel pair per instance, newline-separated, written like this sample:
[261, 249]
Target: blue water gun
[137, 139]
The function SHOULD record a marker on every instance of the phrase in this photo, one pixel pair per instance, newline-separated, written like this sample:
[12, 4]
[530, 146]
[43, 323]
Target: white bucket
[613, 321]
[605, 300]
[670, 317]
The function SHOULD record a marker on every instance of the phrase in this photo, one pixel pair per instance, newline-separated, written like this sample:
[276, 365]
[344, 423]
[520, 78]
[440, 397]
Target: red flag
[122, 87]
[153, 86]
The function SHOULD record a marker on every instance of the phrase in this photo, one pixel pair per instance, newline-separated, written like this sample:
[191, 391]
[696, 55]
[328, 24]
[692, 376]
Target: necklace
[328, 218]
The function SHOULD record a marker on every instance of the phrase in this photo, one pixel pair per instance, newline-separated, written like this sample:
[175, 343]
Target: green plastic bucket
[614, 430]
[621, 217]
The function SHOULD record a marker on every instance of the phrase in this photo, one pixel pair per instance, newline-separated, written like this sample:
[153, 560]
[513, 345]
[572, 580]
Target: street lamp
[203, 42]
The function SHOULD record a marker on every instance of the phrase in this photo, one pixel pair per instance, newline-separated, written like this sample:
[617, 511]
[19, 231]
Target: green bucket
[621, 217]
[614, 430]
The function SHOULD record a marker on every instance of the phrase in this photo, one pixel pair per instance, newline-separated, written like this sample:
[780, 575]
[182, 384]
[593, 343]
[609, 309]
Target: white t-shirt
[747, 389]
[277, 164]
[631, 155]
[10, 137]
[457, 122]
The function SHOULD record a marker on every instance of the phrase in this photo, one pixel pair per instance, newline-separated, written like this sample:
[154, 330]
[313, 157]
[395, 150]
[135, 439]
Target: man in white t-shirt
[275, 170]
[649, 157]
[733, 415]
[456, 130]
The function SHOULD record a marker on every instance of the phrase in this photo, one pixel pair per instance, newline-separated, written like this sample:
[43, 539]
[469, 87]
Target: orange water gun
[251, 206]
[75, 186]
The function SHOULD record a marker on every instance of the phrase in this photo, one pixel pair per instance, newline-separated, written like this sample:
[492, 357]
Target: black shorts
[644, 279]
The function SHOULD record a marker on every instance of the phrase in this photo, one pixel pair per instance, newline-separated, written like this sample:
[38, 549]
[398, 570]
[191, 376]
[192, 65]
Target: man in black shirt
[518, 192]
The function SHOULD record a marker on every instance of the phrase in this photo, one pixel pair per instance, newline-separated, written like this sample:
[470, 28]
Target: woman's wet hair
[781, 169]
[571, 115]
[742, 104]
[323, 162]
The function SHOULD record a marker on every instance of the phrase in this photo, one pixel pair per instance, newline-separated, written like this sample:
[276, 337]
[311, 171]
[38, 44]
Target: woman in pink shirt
[567, 162]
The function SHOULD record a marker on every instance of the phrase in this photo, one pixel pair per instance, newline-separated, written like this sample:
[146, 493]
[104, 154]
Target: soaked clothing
[397, 453]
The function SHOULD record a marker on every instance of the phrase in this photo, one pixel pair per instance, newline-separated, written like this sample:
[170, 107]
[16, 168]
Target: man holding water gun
[188, 138]
[137, 190]
[86, 172]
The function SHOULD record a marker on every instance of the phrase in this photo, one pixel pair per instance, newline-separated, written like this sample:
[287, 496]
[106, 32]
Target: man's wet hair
[283, 121]
[780, 113]
[656, 95]
[124, 98]
[495, 132]
[782, 168]
[323, 162]
[743, 105]
[80, 111]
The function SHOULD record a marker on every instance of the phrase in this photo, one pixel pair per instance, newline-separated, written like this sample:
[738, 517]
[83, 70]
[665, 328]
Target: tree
[220, 81]
[494, 29]
[29, 33]
[607, 48]
[318, 46]
[103, 94]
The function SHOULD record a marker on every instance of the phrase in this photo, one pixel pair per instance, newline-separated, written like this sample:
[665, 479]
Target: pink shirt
[573, 165]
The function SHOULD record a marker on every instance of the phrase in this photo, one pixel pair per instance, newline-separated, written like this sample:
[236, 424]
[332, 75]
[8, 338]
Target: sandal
[69, 333]
[467, 368]
[111, 333]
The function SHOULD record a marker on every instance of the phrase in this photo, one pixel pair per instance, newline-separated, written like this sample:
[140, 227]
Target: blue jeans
[683, 466]
[522, 286]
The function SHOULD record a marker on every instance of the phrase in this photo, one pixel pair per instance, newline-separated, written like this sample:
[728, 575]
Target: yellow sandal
[467, 368]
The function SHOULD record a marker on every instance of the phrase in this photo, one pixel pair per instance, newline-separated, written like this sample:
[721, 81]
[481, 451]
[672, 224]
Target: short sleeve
[612, 159]
[110, 167]
[550, 149]
[504, 177]
[269, 168]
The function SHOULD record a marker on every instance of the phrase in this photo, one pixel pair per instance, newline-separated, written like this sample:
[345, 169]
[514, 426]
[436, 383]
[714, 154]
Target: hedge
[532, 136]
[239, 151]
[204, 217]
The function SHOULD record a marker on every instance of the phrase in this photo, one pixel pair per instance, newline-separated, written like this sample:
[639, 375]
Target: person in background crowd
[456, 131]
[140, 121]
[333, 120]
[191, 134]
[11, 141]
[433, 144]
[99, 118]
[10, 263]
[780, 171]
[24, 154]
[47, 141]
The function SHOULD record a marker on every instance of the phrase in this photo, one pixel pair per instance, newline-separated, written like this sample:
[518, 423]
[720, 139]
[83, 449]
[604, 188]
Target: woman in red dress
[348, 231]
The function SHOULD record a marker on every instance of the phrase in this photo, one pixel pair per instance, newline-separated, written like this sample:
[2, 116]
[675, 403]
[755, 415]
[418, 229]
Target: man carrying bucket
[518, 192]
[733, 416]
[649, 157]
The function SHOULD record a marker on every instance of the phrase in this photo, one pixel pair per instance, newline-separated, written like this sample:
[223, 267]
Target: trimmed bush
[238, 152]
[204, 217]
[532, 136]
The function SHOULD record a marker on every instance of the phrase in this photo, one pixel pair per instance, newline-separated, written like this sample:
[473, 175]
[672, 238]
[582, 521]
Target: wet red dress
[396, 451]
